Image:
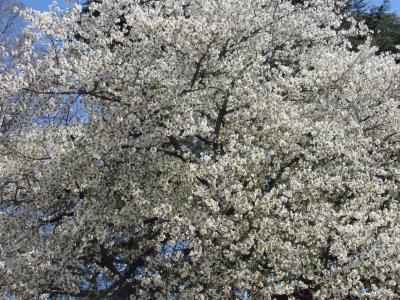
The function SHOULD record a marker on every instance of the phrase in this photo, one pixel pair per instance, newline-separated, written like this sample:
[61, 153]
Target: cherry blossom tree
[230, 149]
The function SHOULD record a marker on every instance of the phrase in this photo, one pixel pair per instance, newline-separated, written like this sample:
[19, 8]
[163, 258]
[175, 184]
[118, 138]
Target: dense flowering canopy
[199, 150]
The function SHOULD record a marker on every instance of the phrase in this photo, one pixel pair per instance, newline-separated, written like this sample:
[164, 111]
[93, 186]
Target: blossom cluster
[224, 148]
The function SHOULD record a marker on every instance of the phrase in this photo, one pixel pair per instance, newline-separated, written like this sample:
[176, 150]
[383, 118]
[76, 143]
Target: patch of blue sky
[84, 285]
[168, 251]
[119, 264]
[71, 112]
[365, 290]
[47, 229]
[11, 210]
[103, 281]
[394, 5]
[178, 246]
[43, 5]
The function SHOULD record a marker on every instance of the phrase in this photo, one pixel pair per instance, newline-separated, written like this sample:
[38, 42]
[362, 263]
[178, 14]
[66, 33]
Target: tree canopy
[225, 149]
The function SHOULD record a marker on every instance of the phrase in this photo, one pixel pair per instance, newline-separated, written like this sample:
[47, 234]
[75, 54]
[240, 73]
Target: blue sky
[40, 4]
[395, 5]
[43, 4]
